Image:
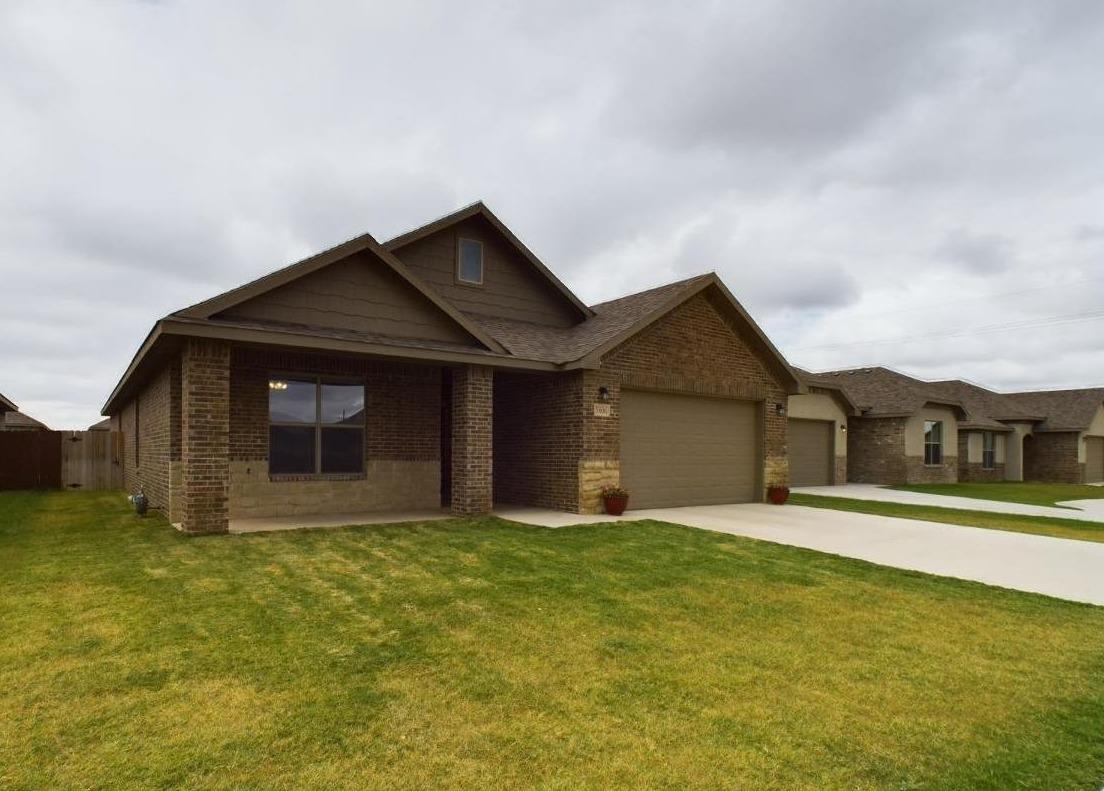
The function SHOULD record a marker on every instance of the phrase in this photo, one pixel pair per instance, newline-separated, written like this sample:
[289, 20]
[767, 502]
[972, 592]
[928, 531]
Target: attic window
[469, 262]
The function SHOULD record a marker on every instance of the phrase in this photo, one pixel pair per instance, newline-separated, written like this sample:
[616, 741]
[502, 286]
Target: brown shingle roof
[566, 344]
[14, 420]
[880, 392]
[1064, 410]
[6, 405]
[985, 408]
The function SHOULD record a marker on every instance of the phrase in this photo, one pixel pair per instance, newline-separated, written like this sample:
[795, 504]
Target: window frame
[459, 260]
[988, 454]
[318, 380]
[933, 450]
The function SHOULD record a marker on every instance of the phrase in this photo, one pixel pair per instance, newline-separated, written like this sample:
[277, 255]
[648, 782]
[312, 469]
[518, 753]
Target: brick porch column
[472, 406]
[205, 436]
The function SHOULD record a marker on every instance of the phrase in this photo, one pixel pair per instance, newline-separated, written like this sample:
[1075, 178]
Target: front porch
[259, 449]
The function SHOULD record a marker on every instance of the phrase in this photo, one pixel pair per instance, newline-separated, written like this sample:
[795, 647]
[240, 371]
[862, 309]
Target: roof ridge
[674, 283]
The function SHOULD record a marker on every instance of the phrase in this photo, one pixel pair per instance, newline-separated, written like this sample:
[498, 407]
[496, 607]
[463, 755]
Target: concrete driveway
[1082, 510]
[1056, 567]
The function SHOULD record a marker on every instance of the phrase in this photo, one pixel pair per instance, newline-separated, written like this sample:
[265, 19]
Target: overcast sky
[915, 184]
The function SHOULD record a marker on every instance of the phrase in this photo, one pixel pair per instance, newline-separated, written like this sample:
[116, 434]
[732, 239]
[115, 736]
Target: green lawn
[479, 653]
[1011, 491]
[1019, 523]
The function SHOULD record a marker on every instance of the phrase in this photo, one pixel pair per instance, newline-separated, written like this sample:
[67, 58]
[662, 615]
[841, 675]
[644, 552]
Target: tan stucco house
[817, 432]
[448, 367]
[907, 430]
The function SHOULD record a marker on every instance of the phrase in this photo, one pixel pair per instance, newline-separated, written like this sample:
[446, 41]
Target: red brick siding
[402, 402]
[1052, 457]
[694, 349]
[876, 450]
[538, 439]
[158, 411]
[205, 421]
[472, 437]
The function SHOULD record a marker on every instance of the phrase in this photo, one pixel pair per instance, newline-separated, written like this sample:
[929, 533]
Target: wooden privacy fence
[80, 460]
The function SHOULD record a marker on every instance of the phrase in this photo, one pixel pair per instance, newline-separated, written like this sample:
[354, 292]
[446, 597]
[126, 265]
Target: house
[912, 431]
[448, 367]
[817, 431]
[11, 419]
[102, 425]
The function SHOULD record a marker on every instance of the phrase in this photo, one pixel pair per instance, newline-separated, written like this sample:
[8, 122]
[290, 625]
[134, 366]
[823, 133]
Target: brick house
[907, 430]
[11, 419]
[448, 367]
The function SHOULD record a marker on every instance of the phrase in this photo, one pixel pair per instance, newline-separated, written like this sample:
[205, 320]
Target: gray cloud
[856, 172]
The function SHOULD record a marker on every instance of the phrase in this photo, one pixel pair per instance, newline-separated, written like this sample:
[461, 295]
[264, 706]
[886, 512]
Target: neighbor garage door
[811, 450]
[1094, 459]
[687, 450]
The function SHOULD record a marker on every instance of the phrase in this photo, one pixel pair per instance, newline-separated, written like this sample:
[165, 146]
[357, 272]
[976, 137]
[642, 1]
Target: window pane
[291, 401]
[342, 450]
[343, 404]
[290, 449]
[471, 261]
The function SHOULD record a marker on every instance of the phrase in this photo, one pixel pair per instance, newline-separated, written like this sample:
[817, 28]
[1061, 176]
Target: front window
[988, 450]
[469, 262]
[315, 426]
[933, 442]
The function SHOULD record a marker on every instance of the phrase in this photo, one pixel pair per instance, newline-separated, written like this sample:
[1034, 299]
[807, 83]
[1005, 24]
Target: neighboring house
[449, 367]
[905, 430]
[911, 431]
[103, 425]
[817, 432]
[11, 419]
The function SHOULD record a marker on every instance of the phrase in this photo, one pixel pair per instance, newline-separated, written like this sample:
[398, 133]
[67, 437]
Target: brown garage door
[811, 450]
[687, 450]
[1094, 459]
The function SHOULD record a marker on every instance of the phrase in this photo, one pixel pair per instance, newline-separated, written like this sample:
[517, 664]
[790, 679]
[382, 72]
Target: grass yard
[1011, 491]
[1018, 523]
[480, 653]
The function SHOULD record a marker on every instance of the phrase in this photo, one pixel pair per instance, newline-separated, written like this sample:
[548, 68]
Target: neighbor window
[315, 426]
[988, 450]
[933, 442]
[469, 262]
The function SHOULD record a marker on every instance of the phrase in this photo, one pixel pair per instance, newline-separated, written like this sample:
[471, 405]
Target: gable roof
[6, 405]
[882, 392]
[480, 209]
[617, 320]
[14, 420]
[281, 277]
[1065, 410]
[986, 407]
[811, 380]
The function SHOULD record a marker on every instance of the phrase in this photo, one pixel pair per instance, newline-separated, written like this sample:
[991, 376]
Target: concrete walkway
[1057, 567]
[1086, 510]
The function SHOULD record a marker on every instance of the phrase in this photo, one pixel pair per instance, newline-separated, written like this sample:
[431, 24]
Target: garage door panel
[687, 450]
[1094, 459]
[811, 450]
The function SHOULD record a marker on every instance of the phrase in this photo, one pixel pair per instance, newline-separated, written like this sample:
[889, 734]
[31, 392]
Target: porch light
[603, 393]
[780, 408]
[276, 384]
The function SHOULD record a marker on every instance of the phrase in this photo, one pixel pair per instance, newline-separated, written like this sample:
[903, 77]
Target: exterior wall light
[603, 393]
[780, 408]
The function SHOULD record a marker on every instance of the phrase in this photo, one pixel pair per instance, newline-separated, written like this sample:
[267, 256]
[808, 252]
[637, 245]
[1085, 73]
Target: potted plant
[778, 494]
[616, 499]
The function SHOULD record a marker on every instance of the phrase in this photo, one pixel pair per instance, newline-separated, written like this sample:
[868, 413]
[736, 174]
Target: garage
[688, 450]
[1094, 459]
[811, 451]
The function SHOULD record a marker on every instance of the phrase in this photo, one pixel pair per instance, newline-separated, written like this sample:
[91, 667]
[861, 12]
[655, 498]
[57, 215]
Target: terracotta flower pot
[778, 494]
[615, 506]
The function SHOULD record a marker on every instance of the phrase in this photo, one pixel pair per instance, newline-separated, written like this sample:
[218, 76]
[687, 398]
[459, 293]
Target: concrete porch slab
[272, 523]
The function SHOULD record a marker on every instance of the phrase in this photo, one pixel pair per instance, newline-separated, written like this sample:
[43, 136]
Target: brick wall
[974, 471]
[918, 472]
[472, 437]
[876, 450]
[1052, 457]
[156, 411]
[694, 349]
[537, 439]
[205, 427]
[402, 437]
